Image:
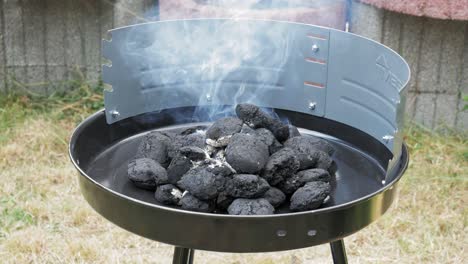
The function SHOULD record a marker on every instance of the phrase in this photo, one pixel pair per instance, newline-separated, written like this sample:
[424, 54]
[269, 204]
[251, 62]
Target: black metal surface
[183, 255]
[101, 152]
[338, 252]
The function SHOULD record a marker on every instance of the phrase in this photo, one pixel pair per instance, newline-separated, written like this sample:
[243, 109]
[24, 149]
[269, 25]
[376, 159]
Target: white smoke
[220, 63]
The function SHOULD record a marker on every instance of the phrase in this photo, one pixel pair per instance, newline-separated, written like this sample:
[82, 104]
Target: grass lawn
[44, 218]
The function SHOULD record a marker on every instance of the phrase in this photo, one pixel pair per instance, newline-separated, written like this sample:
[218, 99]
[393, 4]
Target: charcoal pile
[246, 165]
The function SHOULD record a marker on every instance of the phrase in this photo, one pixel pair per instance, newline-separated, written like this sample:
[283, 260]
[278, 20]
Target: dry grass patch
[44, 219]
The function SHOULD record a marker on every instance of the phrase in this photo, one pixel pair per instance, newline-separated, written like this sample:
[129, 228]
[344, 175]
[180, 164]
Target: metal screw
[315, 48]
[114, 113]
[312, 105]
[387, 138]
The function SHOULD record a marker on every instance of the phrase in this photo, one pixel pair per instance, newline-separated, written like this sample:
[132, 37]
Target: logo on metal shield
[389, 76]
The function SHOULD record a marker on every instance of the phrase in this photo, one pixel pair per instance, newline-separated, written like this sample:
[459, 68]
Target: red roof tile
[443, 9]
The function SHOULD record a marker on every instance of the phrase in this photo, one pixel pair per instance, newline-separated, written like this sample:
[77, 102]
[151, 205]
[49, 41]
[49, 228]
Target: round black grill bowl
[362, 191]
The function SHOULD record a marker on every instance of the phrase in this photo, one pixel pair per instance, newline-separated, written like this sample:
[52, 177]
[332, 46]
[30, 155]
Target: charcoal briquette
[168, 194]
[312, 175]
[246, 154]
[306, 143]
[155, 145]
[274, 196]
[146, 173]
[256, 118]
[247, 130]
[224, 127]
[177, 168]
[196, 139]
[324, 161]
[223, 201]
[281, 165]
[193, 153]
[192, 203]
[243, 206]
[269, 139]
[202, 182]
[246, 186]
[290, 184]
[307, 148]
[309, 197]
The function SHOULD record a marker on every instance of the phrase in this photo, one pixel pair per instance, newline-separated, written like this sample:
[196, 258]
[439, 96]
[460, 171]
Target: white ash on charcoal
[246, 186]
[146, 173]
[309, 197]
[258, 206]
[253, 116]
[192, 203]
[168, 194]
[274, 196]
[246, 153]
[280, 165]
[244, 165]
[155, 146]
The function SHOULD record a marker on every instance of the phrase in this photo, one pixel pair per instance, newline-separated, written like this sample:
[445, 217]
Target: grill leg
[338, 252]
[183, 255]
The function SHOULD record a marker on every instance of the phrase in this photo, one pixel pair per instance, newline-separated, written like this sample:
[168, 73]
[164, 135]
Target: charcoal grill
[342, 87]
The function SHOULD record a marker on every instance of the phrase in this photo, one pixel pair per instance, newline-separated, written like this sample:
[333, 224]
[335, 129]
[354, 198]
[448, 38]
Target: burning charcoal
[290, 184]
[293, 131]
[307, 148]
[155, 146]
[193, 153]
[247, 130]
[146, 173]
[282, 164]
[275, 196]
[224, 127]
[192, 203]
[310, 196]
[196, 139]
[269, 139]
[202, 182]
[254, 117]
[243, 206]
[168, 194]
[223, 201]
[177, 168]
[246, 186]
[312, 175]
[246, 154]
